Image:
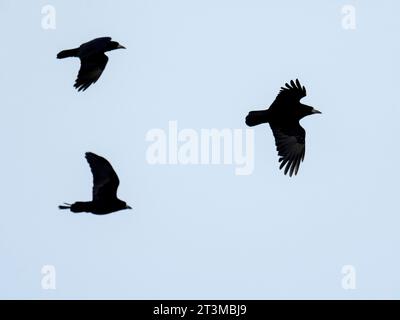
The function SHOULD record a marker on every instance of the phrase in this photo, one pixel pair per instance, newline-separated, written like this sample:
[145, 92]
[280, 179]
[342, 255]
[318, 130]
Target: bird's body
[105, 186]
[96, 207]
[283, 117]
[93, 60]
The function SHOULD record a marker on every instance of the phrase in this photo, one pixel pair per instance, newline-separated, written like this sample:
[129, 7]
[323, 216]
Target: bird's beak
[315, 111]
[120, 47]
[128, 207]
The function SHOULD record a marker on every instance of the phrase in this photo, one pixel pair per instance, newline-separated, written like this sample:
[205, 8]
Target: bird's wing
[291, 93]
[105, 180]
[291, 146]
[91, 69]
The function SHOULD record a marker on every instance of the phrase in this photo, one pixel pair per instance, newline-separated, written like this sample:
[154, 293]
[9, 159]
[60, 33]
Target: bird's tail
[256, 117]
[67, 53]
[65, 206]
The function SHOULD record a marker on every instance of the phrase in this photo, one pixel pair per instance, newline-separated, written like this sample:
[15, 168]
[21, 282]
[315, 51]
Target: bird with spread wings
[283, 117]
[93, 60]
[105, 186]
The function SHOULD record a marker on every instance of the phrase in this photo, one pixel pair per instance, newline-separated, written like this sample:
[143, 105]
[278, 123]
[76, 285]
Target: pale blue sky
[201, 231]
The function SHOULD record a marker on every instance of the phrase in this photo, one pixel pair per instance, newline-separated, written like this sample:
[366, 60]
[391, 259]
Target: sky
[200, 231]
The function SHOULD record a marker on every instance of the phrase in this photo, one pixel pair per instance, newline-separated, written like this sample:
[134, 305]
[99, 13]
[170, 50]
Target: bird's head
[127, 207]
[124, 206]
[113, 45]
[308, 111]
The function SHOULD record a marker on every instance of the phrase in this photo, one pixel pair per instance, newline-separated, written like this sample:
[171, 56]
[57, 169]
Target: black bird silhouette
[283, 117]
[105, 185]
[93, 60]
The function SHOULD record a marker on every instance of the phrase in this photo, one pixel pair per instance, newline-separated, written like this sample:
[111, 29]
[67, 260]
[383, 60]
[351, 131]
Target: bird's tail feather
[65, 206]
[256, 117]
[67, 53]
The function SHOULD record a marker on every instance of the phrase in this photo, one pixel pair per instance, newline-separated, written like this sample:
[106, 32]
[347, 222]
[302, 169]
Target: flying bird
[93, 60]
[105, 185]
[283, 117]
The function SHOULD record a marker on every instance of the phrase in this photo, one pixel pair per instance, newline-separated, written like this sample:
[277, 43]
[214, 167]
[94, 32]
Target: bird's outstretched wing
[291, 146]
[92, 67]
[291, 93]
[105, 180]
